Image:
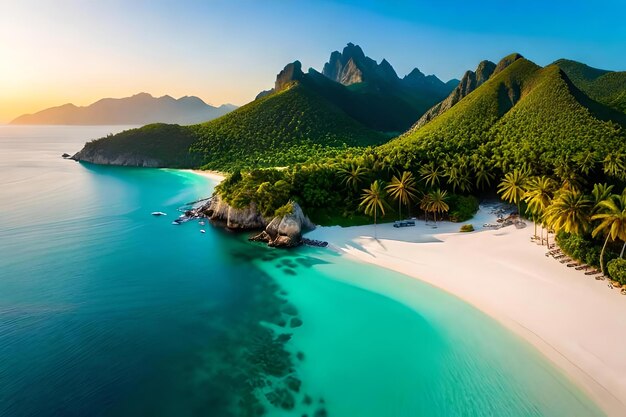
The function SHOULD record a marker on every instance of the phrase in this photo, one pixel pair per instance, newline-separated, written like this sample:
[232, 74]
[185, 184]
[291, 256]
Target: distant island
[139, 109]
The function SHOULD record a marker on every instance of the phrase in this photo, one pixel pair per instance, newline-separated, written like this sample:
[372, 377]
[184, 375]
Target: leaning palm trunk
[621, 254]
[602, 253]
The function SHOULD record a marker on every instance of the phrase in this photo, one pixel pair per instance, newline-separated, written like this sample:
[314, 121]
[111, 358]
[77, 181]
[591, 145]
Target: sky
[225, 51]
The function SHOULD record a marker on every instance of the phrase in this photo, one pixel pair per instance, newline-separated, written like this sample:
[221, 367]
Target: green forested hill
[607, 87]
[287, 127]
[290, 126]
[523, 115]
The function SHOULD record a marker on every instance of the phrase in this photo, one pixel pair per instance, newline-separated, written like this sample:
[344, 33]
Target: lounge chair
[573, 264]
[594, 272]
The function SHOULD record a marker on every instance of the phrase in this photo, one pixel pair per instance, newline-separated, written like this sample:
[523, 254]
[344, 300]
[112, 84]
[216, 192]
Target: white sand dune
[576, 321]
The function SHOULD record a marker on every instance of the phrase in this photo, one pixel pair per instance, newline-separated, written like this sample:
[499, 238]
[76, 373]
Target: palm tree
[569, 211]
[614, 165]
[570, 180]
[612, 216]
[538, 196]
[437, 202]
[586, 161]
[431, 174]
[373, 200]
[512, 187]
[425, 204]
[402, 190]
[353, 175]
[600, 193]
[483, 177]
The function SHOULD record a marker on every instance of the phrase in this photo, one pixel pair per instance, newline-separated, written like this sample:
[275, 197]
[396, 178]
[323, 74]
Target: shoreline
[213, 175]
[574, 321]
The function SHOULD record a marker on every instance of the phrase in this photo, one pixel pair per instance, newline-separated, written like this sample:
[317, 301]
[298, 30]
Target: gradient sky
[58, 51]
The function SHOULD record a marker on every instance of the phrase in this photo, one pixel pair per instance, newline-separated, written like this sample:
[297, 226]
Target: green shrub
[617, 270]
[467, 228]
[284, 210]
[462, 208]
[583, 248]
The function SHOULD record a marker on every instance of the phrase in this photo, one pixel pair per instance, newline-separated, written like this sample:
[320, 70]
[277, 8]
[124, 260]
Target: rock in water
[285, 231]
[238, 219]
[281, 231]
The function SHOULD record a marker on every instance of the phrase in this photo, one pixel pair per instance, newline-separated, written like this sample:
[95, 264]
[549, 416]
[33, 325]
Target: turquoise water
[106, 310]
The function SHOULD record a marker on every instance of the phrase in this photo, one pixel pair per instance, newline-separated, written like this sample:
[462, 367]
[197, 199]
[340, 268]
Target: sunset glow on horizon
[57, 52]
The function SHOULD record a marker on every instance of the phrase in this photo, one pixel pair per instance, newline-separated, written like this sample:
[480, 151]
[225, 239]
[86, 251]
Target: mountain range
[518, 113]
[500, 114]
[353, 102]
[139, 109]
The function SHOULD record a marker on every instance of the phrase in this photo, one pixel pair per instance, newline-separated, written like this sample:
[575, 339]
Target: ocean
[106, 310]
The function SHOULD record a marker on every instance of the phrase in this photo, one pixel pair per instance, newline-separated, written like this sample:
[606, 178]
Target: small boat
[201, 223]
[176, 222]
[202, 231]
[158, 213]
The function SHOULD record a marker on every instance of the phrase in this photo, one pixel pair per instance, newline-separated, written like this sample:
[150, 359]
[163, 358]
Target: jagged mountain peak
[471, 80]
[291, 72]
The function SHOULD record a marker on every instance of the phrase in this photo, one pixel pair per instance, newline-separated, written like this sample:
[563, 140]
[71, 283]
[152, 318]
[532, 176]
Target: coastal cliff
[101, 157]
[280, 231]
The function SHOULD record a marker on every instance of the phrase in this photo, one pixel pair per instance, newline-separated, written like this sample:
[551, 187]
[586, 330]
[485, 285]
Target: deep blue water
[106, 310]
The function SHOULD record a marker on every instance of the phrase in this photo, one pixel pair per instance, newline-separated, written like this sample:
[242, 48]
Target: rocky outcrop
[281, 231]
[248, 218]
[264, 93]
[352, 67]
[470, 82]
[285, 231]
[292, 72]
[100, 156]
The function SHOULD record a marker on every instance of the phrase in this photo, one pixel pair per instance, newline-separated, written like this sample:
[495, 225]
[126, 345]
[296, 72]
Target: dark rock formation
[233, 218]
[352, 66]
[291, 72]
[281, 231]
[264, 93]
[285, 231]
[65, 155]
[100, 156]
[470, 82]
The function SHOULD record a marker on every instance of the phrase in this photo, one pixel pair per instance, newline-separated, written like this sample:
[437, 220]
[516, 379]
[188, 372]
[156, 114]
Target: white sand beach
[214, 175]
[573, 319]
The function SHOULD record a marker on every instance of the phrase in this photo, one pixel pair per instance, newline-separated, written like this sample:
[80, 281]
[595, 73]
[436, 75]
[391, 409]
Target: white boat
[202, 231]
[158, 213]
